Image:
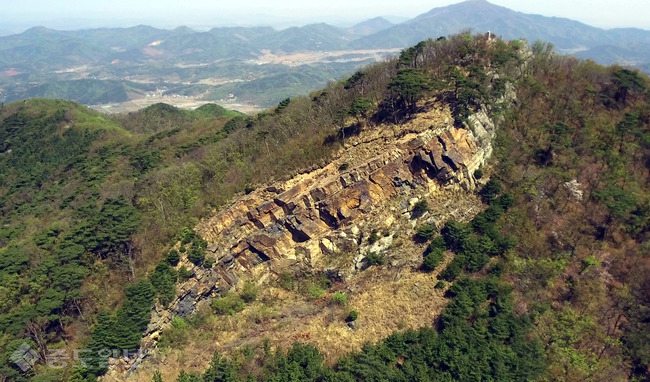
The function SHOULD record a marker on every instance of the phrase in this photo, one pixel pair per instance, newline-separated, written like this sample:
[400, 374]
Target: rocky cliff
[375, 180]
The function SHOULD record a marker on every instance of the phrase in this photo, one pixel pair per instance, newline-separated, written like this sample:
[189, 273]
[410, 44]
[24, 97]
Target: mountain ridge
[367, 212]
[230, 63]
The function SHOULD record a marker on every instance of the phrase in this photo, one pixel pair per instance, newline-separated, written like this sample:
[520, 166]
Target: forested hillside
[547, 283]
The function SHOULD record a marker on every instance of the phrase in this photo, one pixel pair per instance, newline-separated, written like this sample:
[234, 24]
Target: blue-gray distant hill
[107, 65]
[43, 49]
[369, 27]
[606, 46]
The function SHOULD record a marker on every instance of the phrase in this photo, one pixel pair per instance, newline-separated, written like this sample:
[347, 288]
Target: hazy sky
[169, 13]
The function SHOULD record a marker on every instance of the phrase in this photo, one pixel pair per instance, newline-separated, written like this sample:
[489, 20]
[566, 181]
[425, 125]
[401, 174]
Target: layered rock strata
[314, 215]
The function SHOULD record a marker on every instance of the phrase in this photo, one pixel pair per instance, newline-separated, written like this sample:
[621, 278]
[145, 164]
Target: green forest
[548, 282]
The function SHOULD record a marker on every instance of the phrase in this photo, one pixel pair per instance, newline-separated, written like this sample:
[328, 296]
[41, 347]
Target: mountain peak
[370, 26]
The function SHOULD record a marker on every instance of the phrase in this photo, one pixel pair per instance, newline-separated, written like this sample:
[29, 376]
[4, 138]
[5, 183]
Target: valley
[261, 66]
[139, 100]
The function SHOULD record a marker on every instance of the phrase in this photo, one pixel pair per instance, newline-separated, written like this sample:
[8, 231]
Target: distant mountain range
[626, 45]
[41, 55]
[370, 27]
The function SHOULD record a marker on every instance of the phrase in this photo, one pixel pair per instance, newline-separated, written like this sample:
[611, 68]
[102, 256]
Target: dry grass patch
[386, 299]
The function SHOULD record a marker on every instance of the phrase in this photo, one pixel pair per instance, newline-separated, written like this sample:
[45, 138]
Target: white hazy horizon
[17, 16]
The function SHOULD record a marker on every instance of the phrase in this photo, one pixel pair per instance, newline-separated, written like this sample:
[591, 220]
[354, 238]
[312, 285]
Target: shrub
[339, 298]
[287, 281]
[425, 232]
[478, 174]
[432, 260]
[374, 258]
[315, 292]
[490, 191]
[179, 323]
[184, 274]
[182, 249]
[590, 262]
[176, 335]
[454, 234]
[352, 316]
[373, 237]
[230, 303]
[505, 201]
[209, 263]
[440, 285]
[186, 236]
[420, 208]
[196, 256]
[249, 292]
[437, 243]
[173, 257]
[163, 280]
[453, 269]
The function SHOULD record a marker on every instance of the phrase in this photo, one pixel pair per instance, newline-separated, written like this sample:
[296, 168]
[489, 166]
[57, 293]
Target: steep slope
[369, 207]
[558, 246]
[319, 220]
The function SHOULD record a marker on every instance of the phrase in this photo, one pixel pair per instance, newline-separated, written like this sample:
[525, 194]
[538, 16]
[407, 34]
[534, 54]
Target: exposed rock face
[297, 221]
[314, 215]
[575, 190]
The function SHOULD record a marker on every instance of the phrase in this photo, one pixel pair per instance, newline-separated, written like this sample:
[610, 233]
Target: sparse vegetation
[432, 259]
[425, 232]
[172, 257]
[420, 208]
[249, 292]
[374, 258]
[523, 360]
[228, 304]
[373, 237]
[196, 256]
[287, 281]
[315, 292]
[339, 298]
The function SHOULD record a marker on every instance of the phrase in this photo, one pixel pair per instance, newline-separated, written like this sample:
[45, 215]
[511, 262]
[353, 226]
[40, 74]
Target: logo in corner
[25, 357]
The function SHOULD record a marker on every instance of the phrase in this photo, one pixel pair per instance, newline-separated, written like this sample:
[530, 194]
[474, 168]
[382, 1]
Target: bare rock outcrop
[301, 221]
